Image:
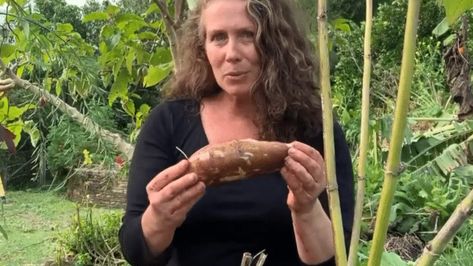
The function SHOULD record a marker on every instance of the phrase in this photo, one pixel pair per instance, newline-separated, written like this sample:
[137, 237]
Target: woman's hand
[171, 195]
[304, 172]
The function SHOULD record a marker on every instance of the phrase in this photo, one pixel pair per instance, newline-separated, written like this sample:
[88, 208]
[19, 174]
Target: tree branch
[171, 28]
[122, 145]
[179, 6]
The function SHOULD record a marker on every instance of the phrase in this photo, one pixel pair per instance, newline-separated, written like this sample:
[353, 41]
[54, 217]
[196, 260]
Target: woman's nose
[233, 51]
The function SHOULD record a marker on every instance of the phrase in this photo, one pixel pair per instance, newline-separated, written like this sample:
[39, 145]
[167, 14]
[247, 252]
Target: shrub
[91, 240]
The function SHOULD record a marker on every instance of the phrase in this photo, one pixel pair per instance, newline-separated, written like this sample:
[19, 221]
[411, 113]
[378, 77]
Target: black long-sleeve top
[243, 216]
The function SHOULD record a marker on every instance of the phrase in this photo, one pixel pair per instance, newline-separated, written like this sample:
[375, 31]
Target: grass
[32, 221]
[462, 252]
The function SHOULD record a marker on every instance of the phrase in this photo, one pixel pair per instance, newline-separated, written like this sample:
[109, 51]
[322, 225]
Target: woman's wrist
[157, 236]
[315, 214]
[313, 232]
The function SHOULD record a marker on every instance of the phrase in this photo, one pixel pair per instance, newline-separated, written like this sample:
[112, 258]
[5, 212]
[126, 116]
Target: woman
[247, 71]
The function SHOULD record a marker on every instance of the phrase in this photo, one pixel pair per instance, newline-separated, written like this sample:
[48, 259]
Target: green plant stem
[364, 138]
[397, 136]
[433, 250]
[329, 150]
[440, 119]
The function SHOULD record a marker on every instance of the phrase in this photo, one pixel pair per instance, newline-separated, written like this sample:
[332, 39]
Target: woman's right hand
[171, 195]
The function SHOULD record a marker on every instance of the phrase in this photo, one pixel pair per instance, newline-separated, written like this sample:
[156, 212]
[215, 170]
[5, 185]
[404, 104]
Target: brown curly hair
[286, 93]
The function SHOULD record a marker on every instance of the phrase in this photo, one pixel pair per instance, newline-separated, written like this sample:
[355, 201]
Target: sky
[76, 2]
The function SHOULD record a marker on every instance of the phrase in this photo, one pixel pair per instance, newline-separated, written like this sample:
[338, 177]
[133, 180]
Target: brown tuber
[237, 159]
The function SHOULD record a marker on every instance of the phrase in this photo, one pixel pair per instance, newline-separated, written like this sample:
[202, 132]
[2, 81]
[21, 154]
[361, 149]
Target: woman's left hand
[304, 172]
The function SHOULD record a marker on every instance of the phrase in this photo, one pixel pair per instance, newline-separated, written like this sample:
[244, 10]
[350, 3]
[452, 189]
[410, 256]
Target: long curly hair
[286, 94]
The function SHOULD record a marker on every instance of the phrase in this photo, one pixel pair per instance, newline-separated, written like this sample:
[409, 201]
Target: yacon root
[237, 159]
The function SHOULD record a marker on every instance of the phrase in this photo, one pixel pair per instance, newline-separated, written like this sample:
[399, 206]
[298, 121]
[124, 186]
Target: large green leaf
[95, 16]
[130, 58]
[161, 56]
[129, 107]
[119, 87]
[452, 158]
[465, 171]
[4, 105]
[15, 112]
[147, 35]
[153, 8]
[455, 8]
[6, 50]
[16, 128]
[112, 10]
[65, 28]
[30, 128]
[392, 259]
[156, 74]
[441, 28]
[424, 144]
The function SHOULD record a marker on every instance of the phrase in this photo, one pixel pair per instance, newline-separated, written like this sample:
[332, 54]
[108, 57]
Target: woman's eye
[218, 37]
[247, 35]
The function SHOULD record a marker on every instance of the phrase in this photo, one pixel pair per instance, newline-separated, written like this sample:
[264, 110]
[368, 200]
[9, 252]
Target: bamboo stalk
[329, 150]
[364, 138]
[397, 135]
[433, 250]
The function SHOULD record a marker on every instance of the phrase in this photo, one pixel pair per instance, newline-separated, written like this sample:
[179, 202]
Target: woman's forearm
[157, 237]
[314, 237]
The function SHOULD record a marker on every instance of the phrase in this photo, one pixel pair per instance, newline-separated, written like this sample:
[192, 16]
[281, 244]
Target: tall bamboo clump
[364, 137]
[433, 250]
[329, 150]
[397, 135]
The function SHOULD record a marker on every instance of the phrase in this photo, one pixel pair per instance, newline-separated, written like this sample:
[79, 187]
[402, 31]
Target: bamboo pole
[397, 135]
[433, 250]
[329, 150]
[364, 138]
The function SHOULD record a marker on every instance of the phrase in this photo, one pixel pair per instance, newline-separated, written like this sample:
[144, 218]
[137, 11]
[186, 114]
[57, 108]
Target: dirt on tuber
[237, 160]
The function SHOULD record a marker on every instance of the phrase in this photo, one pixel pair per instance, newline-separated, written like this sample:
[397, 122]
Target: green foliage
[53, 55]
[423, 203]
[459, 253]
[58, 11]
[31, 220]
[91, 240]
[456, 8]
[67, 142]
[11, 118]
[388, 25]
[387, 259]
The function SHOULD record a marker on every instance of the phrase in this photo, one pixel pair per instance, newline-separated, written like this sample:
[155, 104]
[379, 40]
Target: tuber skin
[237, 160]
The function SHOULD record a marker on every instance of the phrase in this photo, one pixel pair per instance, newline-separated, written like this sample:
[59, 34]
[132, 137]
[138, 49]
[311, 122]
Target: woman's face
[230, 45]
